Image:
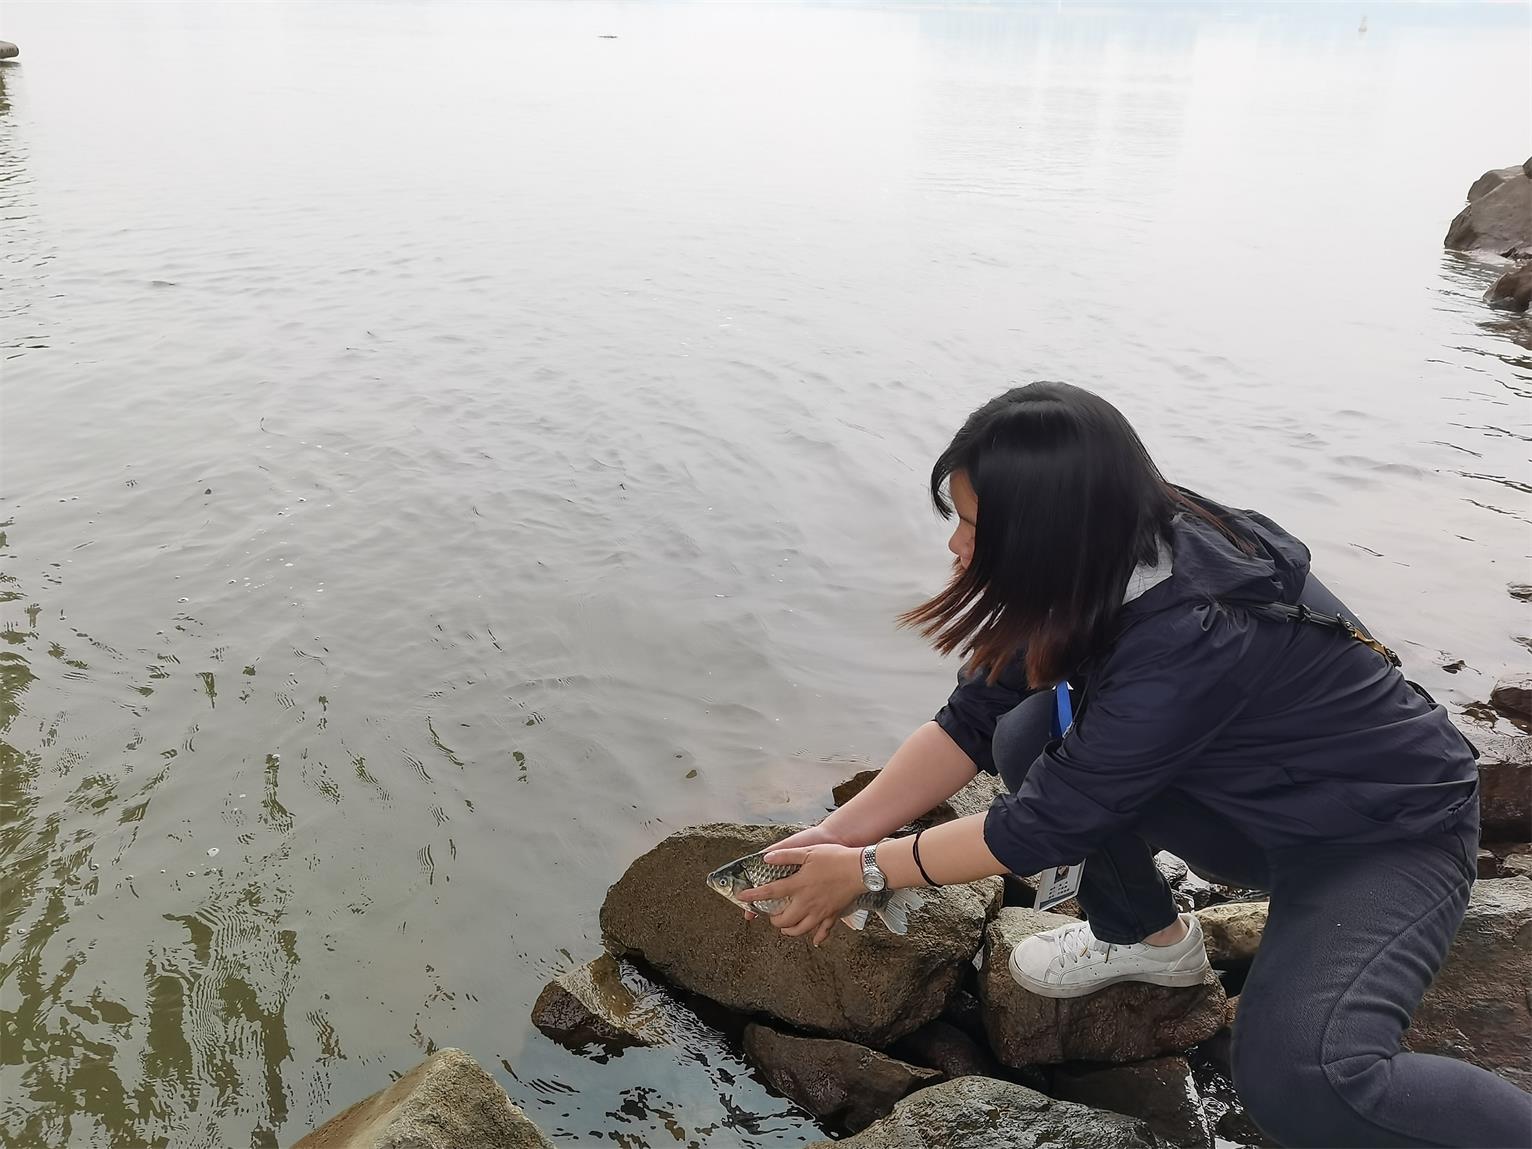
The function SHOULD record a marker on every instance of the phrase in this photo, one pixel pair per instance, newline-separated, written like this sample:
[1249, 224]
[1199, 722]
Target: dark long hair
[1069, 503]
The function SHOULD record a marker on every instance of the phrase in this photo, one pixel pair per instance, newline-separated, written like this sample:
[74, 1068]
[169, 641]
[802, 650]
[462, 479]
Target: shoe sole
[1179, 979]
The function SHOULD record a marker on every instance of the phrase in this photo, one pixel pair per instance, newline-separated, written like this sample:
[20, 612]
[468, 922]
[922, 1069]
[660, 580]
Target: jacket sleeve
[974, 708]
[1162, 696]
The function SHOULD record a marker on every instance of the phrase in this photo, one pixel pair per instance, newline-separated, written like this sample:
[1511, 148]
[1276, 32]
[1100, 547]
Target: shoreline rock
[1160, 1092]
[445, 1102]
[983, 1113]
[1512, 696]
[605, 1004]
[839, 1082]
[1232, 930]
[1505, 786]
[871, 987]
[1498, 217]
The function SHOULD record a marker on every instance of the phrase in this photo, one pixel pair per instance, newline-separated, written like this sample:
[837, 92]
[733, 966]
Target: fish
[893, 907]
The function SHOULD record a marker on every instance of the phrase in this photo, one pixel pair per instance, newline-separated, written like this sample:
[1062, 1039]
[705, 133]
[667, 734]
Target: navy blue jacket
[1295, 733]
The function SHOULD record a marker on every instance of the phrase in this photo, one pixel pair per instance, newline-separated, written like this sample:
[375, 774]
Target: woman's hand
[813, 836]
[829, 880]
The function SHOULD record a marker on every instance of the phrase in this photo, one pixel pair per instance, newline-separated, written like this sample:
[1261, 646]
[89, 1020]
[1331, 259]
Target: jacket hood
[1206, 565]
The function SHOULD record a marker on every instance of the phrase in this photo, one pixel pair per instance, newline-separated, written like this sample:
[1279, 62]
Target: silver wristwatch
[873, 877]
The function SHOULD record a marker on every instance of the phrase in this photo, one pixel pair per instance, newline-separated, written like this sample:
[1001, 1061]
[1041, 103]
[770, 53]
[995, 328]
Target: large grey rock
[1499, 220]
[983, 1113]
[1512, 697]
[1161, 1092]
[1513, 290]
[871, 986]
[1492, 179]
[839, 1082]
[445, 1102]
[1505, 786]
[1125, 1022]
[1479, 1008]
[608, 1004]
[1232, 930]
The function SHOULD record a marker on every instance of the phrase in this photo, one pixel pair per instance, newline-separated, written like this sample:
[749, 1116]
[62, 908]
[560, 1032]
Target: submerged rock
[1512, 291]
[1505, 786]
[1232, 930]
[1498, 219]
[839, 1082]
[1512, 696]
[607, 1004]
[983, 1113]
[445, 1102]
[1479, 1008]
[1161, 1092]
[871, 986]
[1125, 1022]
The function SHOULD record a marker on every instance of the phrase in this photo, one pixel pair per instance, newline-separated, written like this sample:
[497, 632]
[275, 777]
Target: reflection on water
[444, 450]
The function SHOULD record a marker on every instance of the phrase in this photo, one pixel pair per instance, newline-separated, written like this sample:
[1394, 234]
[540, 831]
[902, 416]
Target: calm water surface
[445, 450]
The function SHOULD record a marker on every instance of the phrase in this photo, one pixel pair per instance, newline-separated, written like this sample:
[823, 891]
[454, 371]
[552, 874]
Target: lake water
[445, 449]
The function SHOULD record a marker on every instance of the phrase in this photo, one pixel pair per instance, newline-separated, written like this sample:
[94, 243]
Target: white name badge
[1058, 885]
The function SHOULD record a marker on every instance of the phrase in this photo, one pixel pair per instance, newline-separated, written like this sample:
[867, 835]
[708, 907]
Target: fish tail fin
[896, 913]
[856, 920]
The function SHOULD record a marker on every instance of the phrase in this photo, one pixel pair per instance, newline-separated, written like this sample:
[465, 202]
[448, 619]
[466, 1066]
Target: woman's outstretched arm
[923, 773]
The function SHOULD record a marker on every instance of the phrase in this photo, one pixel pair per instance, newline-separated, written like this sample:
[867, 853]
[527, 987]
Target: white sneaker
[1072, 962]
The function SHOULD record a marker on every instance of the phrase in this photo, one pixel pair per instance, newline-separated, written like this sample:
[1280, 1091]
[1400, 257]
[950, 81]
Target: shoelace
[1075, 943]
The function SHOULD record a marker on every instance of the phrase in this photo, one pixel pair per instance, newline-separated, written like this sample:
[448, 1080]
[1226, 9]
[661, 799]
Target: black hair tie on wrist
[918, 864]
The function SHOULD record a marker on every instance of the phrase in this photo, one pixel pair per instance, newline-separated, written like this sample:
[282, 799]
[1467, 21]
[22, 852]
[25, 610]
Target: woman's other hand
[828, 880]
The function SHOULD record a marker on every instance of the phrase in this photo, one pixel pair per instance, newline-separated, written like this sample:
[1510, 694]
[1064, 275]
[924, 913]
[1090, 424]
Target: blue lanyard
[1063, 714]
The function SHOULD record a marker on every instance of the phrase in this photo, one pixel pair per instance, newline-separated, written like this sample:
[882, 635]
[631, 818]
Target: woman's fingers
[789, 916]
[824, 932]
[770, 892]
[793, 856]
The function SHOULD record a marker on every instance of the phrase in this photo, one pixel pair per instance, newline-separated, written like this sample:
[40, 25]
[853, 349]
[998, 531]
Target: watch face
[872, 877]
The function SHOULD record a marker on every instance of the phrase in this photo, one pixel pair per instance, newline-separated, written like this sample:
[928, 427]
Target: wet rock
[1516, 866]
[1161, 1092]
[839, 1082]
[983, 1113]
[605, 1003]
[1498, 220]
[1512, 696]
[1512, 291]
[445, 1102]
[1479, 1008]
[942, 1046]
[8, 51]
[1130, 1021]
[1233, 930]
[1521, 591]
[870, 986]
[1505, 786]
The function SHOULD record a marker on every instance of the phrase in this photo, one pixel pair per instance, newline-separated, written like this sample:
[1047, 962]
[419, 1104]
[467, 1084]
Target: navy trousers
[1353, 938]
